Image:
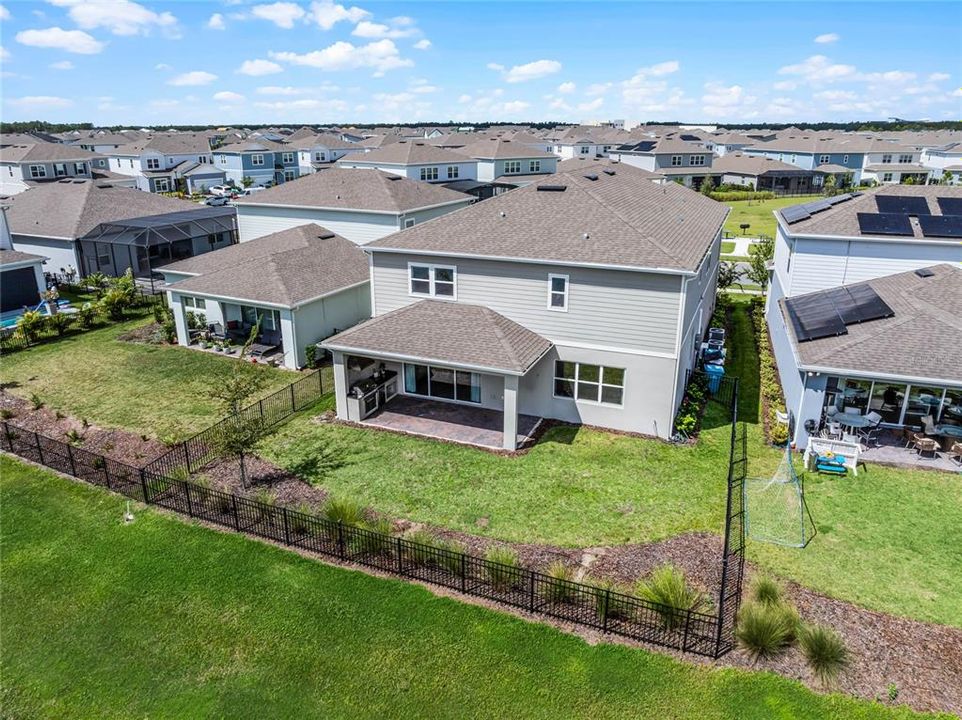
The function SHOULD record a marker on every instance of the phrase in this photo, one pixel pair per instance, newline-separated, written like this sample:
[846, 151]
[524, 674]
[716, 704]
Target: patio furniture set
[266, 342]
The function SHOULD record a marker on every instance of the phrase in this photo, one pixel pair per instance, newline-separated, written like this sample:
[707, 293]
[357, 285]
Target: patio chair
[874, 417]
[849, 410]
[870, 436]
[956, 452]
[835, 430]
[831, 411]
[215, 331]
[928, 426]
[926, 445]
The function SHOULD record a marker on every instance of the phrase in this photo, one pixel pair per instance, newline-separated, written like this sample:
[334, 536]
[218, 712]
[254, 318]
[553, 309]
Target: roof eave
[418, 359]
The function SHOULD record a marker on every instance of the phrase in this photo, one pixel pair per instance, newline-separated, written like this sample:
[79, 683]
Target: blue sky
[243, 62]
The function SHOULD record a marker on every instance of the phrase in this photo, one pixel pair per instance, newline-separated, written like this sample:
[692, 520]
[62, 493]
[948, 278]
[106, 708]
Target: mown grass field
[758, 214]
[163, 619]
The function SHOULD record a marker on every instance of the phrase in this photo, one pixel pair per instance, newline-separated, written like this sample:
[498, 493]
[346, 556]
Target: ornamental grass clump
[825, 652]
[372, 538]
[419, 552]
[502, 568]
[668, 587]
[608, 601]
[560, 588]
[766, 591]
[765, 631]
[345, 511]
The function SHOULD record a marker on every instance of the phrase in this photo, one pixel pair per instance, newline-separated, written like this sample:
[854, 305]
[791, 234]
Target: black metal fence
[201, 449]
[708, 634]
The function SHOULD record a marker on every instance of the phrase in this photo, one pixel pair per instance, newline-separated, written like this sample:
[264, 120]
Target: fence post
[7, 436]
[400, 556]
[340, 539]
[187, 457]
[605, 607]
[36, 439]
[143, 484]
[73, 467]
[684, 639]
[464, 573]
[106, 471]
[190, 507]
[260, 406]
[233, 502]
[293, 404]
[530, 590]
[287, 526]
[320, 382]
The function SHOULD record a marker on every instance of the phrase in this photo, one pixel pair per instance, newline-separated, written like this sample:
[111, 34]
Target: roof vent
[503, 214]
[326, 236]
[394, 178]
[608, 171]
[924, 273]
[552, 188]
[586, 236]
[65, 180]
[591, 176]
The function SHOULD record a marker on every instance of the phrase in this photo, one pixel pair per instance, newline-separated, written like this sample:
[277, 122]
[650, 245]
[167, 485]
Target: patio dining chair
[956, 452]
[928, 426]
[869, 436]
[874, 417]
[926, 445]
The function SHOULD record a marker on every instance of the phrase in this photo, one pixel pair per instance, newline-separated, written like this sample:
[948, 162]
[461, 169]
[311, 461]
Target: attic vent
[66, 180]
[591, 176]
[608, 172]
[552, 188]
[79, 182]
[924, 273]
[326, 236]
[394, 178]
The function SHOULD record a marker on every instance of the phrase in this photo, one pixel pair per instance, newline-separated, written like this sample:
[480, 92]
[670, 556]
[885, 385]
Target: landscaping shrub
[86, 315]
[669, 588]
[7, 413]
[765, 631]
[771, 389]
[344, 511]
[377, 541]
[601, 587]
[60, 323]
[36, 401]
[299, 519]
[825, 652]
[451, 560]
[739, 195]
[561, 591]
[31, 324]
[766, 591]
[504, 570]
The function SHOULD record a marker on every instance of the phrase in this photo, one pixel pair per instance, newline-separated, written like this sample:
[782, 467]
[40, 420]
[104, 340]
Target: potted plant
[202, 342]
[50, 297]
[219, 347]
[228, 347]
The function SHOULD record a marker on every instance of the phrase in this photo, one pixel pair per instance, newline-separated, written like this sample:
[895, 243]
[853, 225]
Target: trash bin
[715, 374]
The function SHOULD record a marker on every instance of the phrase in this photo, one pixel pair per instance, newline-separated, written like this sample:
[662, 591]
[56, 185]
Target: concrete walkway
[741, 245]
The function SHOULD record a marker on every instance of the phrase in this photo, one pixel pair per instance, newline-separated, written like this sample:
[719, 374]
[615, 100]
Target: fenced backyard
[159, 483]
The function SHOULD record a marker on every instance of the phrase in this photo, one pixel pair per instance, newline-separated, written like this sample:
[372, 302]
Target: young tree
[728, 274]
[707, 186]
[829, 184]
[236, 436]
[247, 181]
[764, 250]
[946, 177]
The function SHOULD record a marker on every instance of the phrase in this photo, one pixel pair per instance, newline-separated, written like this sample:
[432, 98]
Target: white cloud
[649, 91]
[489, 104]
[422, 44]
[4, 53]
[41, 101]
[566, 88]
[192, 79]
[424, 89]
[290, 106]
[282, 14]
[783, 85]
[514, 106]
[259, 68]
[591, 105]
[957, 92]
[162, 66]
[75, 41]
[381, 56]
[4, 13]
[399, 28]
[62, 65]
[597, 89]
[529, 71]
[216, 22]
[228, 96]
[327, 14]
[121, 17]
[278, 90]
[728, 101]
[827, 38]
[939, 77]
[164, 104]
[818, 69]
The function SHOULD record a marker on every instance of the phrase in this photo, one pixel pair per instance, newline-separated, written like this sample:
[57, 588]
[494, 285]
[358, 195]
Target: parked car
[252, 190]
[220, 190]
[215, 200]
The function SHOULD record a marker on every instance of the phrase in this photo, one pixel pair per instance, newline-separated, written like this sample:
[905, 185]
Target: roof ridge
[502, 338]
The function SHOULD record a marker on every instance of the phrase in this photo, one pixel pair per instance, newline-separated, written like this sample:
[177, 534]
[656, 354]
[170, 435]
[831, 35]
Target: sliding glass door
[442, 383]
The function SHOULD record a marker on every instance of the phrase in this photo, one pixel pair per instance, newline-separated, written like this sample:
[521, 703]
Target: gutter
[436, 361]
[398, 212]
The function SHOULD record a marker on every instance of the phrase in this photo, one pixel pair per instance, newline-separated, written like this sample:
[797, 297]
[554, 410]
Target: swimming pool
[12, 317]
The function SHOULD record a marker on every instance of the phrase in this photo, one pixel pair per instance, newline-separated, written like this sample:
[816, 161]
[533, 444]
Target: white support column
[510, 438]
[180, 320]
[340, 384]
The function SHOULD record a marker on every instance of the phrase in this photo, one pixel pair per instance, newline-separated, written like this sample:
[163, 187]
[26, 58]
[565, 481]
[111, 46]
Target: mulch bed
[119, 445]
[148, 333]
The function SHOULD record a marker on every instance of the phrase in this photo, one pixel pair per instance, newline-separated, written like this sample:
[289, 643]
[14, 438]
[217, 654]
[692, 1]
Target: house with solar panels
[865, 304]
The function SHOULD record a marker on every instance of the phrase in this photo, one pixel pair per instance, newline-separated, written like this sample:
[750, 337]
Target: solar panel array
[948, 226]
[829, 312]
[950, 205]
[794, 213]
[884, 224]
[906, 204]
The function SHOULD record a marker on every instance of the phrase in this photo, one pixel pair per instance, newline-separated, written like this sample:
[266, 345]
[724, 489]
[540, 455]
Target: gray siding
[609, 308]
[256, 221]
[317, 320]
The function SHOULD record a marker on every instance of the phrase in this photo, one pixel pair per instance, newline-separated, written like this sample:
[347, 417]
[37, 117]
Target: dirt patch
[151, 333]
[224, 474]
[119, 445]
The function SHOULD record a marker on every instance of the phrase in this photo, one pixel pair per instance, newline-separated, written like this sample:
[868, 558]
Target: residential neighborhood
[456, 360]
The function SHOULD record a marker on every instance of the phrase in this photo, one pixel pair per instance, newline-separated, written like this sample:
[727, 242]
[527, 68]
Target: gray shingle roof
[9, 257]
[406, 152]
[843, 218]
[739, 164]
[920, 340]
[44, 152]
[447, 333]
[286, 268]
[72, 209]
[356, 190]
[498, 149]
[621, 219]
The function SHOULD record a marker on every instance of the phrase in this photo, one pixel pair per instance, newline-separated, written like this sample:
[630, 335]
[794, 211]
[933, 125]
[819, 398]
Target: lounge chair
[215, 331]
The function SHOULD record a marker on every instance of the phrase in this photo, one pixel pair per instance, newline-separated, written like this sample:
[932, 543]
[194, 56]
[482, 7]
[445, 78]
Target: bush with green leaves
[60, 323]
[674, 596]
[86, 315]
[31, 324]
[300, 519]
[373, 538]
[502, 569]
[765, 631]
[36, 402]
[98, 281]
[115, 302]
[764, 590]
[344, 510]
[824, 651]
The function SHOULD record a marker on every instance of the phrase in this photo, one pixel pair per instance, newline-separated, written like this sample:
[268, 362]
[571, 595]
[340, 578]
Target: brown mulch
[143, 334]
[119, 445]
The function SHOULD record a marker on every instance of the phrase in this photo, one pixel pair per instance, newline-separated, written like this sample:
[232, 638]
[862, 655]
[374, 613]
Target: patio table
[852, 421]
[949, 434]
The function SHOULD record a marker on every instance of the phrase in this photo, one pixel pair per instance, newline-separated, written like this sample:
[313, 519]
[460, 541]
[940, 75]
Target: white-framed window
[38, 171]
[886, 177]
[905, 159]
[534, 166]
[429, 173]
[589, 383]
[223, 158]
[793, 159]
[512, 167]
[558, 292]
[289, 175]
[676, 160]
[195, 304]
[161, 185]
[80, 168]
[287, 158]
[444, 383]
[153, 163]
[202, 159]
[453, 171]
[844, 159]
[432, 280]
[409, 222]
[697, 160]
[319, 157]
[583, 149]
[257, 159]
[822, 159]
[268, 319]
[886, 159]
[59, 170]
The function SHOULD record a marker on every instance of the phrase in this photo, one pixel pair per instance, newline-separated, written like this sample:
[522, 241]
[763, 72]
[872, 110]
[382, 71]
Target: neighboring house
[844, 155]
[301, 285]
[586, 142]
[21, 280]
[317, 151]
[24, 165]
[168, 162]
[762, 173]
[263, 161]
[726, 142]
[944, 159]
[508, 162]
[902, 363]
[888, 163]
[95, 228]
[684, 161]
[581, 298]
[361, 205]
[415, 160]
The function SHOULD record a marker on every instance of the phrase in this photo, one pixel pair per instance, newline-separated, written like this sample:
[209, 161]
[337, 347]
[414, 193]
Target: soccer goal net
[775, 507]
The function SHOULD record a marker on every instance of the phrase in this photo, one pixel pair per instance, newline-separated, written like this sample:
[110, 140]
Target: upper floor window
[583, 149]
[60, 169]
[793, 159]
[409, 222]
[38, 171]
[905, 158]
[534, 166]
[257, 159]
[453, 171]
[886, 177]
[676, 160]
[287, 158]
[223, 158]
[153, 163]
[886, 159]
[558, 292]
[202, 159]
[822, 159]
[697, 159]
[319, 157]
[512, 167]
[432, 280]
[429, 173]
[589, 383]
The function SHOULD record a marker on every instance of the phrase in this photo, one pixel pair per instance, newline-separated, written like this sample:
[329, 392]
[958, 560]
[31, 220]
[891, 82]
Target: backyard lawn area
[158, 390]
[159, 618]
[758, 214]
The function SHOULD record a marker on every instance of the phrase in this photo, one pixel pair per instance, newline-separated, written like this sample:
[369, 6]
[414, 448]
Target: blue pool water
[12, 317]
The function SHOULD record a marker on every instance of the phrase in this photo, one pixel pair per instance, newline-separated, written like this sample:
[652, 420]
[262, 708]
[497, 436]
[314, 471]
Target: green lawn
[727, 247]
[758, 214]
[152, 389]
[167, 620]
